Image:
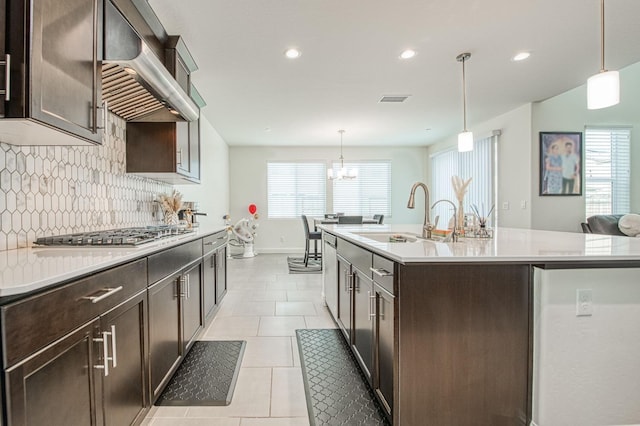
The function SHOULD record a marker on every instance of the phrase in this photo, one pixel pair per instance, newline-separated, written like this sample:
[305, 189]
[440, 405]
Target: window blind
[368, 194]
[294, 189]
[476, 164]
[607, 170]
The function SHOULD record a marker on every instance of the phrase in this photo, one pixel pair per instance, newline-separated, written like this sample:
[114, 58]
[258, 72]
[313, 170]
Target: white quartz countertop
[30, 269]
[507, 245]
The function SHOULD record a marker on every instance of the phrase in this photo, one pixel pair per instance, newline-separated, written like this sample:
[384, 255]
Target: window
[607, 169]
[368, 194]
[476, 164]
[294, 189]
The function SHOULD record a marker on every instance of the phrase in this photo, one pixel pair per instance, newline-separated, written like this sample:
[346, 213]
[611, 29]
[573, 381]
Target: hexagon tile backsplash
[49, 190]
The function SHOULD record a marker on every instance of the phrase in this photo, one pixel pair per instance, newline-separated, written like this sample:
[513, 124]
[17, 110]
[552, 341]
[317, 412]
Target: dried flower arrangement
[460, 188]
[171, 205]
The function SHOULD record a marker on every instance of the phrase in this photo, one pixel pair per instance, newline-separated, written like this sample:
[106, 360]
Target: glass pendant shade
[603, 90]
[465, 141]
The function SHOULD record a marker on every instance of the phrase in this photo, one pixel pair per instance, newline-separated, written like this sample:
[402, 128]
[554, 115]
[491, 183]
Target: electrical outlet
[584, 302]
[505, 205]
[523, 204]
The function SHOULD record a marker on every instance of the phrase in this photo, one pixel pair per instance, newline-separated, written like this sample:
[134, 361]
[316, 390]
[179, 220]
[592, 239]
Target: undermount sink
[390, 237]
[398, 237]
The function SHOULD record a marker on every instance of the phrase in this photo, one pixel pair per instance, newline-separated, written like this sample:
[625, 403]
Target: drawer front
[168, 262]
[383, 272]
[357, 256]
[212, 242]
[36, 321]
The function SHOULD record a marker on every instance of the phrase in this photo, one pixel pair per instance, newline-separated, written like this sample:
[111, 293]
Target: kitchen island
[484, 331]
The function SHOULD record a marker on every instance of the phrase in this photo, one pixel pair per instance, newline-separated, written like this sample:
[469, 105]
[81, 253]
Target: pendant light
[465, 138]
[342, 173]
[603, 89]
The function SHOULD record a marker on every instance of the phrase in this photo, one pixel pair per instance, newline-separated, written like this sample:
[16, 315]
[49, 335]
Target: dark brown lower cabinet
[362, 336]
[190, 306]
[67, 382]
[175, 318]
[164, 331]
[125, 387]
[383, 345]
[221, 273]
[344, 297]
[209, 284]
[56, 387]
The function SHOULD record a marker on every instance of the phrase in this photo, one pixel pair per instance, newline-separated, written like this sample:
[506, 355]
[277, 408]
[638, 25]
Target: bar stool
[310, 235]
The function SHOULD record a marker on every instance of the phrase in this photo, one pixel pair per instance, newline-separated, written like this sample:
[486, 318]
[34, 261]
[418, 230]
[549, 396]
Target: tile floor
[264, 305]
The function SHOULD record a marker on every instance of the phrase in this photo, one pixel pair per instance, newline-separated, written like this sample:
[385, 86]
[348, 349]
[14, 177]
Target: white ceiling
[350, 58]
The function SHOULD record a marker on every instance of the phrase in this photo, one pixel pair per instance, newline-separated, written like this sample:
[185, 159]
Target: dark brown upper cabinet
[51, 50]
[163, 150]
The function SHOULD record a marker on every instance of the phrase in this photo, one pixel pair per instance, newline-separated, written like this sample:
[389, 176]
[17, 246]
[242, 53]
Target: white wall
[213, 191]
[514, 163]
[568, 112]
[586, 369]
[248, 180]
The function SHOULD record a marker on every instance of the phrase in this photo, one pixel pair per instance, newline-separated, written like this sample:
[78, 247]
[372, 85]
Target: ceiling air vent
[394, 98]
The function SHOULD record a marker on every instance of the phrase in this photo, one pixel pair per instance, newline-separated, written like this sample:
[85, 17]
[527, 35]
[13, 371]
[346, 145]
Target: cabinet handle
[179, 157]
[213, 261]
[188, 286]
[224, 237]
[372, 306]
[381, 272]
[110, 291]
[210, 243]
[348, 286]
[102, 124]
[105, 352]
[114, 350]
[182, 282]
[7, 77]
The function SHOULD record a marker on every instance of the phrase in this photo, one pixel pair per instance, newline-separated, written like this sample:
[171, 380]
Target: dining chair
[308, 236]
[379, 218]
[349, 219]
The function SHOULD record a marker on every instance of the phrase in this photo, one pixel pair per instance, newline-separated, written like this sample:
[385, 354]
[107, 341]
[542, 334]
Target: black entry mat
[207, 376]
[337, 391]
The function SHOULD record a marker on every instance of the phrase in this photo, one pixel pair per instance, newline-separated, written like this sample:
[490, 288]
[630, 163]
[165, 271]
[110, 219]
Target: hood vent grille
[124, 95]
[149, 92]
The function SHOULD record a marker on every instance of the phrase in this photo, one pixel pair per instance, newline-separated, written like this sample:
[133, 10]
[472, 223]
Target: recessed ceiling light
[173, 111]
[407, 54]
[292, 53]
[130, 71]
[521, 56]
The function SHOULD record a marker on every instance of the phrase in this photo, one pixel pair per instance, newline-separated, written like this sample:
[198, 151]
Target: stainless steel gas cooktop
[113, 237]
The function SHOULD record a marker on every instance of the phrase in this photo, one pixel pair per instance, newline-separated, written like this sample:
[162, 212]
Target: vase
[171, 218]
[460, 216]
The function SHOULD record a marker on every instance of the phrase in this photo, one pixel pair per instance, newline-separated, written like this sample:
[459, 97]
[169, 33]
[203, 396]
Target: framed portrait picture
[561, 163]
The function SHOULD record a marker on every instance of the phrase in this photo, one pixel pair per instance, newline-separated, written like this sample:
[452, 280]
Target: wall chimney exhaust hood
[135, 83]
